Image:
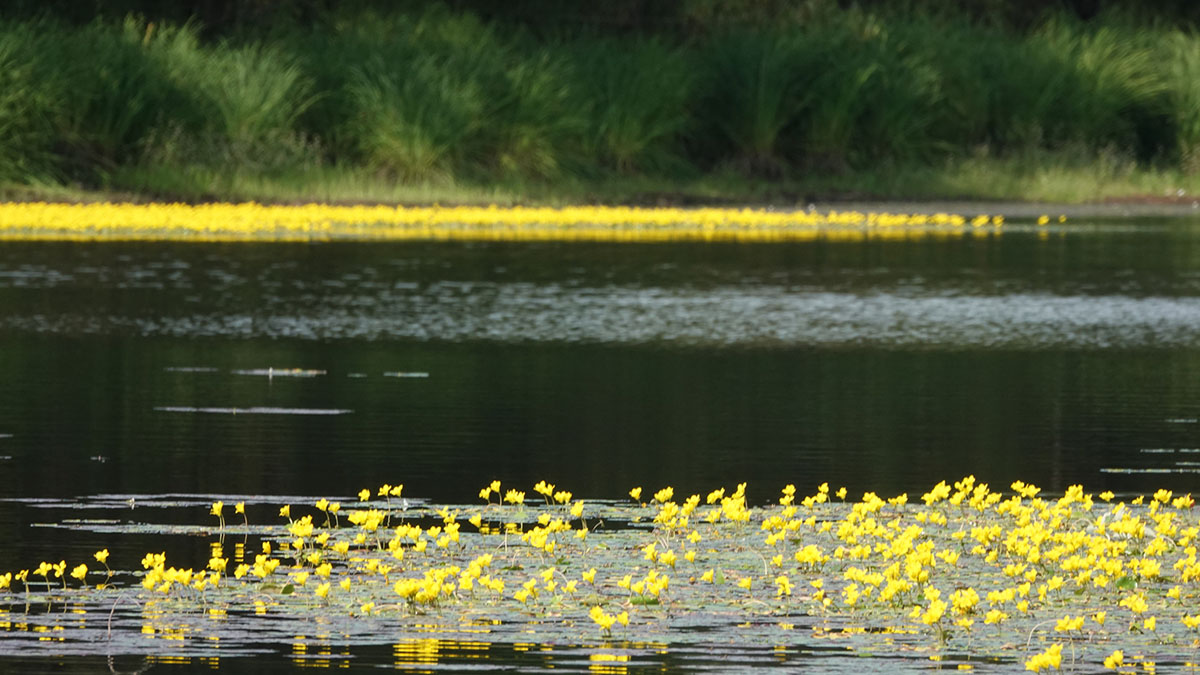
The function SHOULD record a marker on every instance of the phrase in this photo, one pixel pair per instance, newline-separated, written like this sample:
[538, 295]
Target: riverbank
[971, 183]
[444, 105]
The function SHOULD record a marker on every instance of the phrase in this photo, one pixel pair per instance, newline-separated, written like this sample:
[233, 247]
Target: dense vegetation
[446, 95]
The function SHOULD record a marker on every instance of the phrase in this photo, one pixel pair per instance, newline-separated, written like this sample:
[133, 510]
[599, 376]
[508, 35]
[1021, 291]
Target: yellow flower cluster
[251, 221]
[1076, 569]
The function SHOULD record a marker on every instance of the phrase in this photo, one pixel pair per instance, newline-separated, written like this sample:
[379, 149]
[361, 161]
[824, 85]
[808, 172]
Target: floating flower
[1049, 659]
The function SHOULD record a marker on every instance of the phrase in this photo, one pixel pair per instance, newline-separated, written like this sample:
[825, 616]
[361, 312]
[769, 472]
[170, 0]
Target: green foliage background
[185, 98]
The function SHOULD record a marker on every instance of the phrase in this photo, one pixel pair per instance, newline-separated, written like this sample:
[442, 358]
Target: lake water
[1057, 355]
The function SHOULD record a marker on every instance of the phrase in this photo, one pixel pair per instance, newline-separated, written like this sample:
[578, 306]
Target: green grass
[1036, 177]
[434, 104]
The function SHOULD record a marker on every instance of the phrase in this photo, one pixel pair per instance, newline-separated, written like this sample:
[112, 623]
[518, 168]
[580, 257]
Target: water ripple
[724, 316]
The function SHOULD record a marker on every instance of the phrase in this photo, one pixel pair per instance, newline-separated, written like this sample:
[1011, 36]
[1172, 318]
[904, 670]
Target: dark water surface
[1065, 355]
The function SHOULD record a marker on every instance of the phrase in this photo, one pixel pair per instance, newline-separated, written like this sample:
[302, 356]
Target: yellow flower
[590, 576]
[216, 508]
[1136, 604]
[636, 493]
[964, 600]
[841, 493]
[322, 591]
[1150, 623]
[1051, 658]
[101, 556]
[603, 619]
[363, 495]
[79, 572]
[1067, 624]
[934, 613]
[783, 586]
[240, 507]
[995, 616]
[745, 582]
[1114, 660]
[286, 511]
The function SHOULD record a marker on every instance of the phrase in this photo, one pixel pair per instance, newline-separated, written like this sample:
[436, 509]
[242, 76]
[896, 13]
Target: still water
[1057, 355]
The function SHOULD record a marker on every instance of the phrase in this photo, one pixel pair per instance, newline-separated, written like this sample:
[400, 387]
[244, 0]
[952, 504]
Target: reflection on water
[1116, 288]
[758, 316]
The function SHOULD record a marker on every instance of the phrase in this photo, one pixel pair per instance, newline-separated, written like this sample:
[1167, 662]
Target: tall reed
[27, 105]
[636, 101]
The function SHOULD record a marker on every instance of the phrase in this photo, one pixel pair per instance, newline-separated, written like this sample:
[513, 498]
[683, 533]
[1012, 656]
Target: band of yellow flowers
[309, 222]
[1045, 580]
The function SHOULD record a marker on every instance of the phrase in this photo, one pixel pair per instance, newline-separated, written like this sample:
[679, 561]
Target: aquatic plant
[250, 221]
[1014, 576]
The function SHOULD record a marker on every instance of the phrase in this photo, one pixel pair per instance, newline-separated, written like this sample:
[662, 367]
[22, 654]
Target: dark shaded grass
[437, 97]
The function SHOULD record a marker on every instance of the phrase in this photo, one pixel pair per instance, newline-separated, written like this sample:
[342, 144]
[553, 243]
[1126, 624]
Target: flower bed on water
[962, 573]
[315, 222]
